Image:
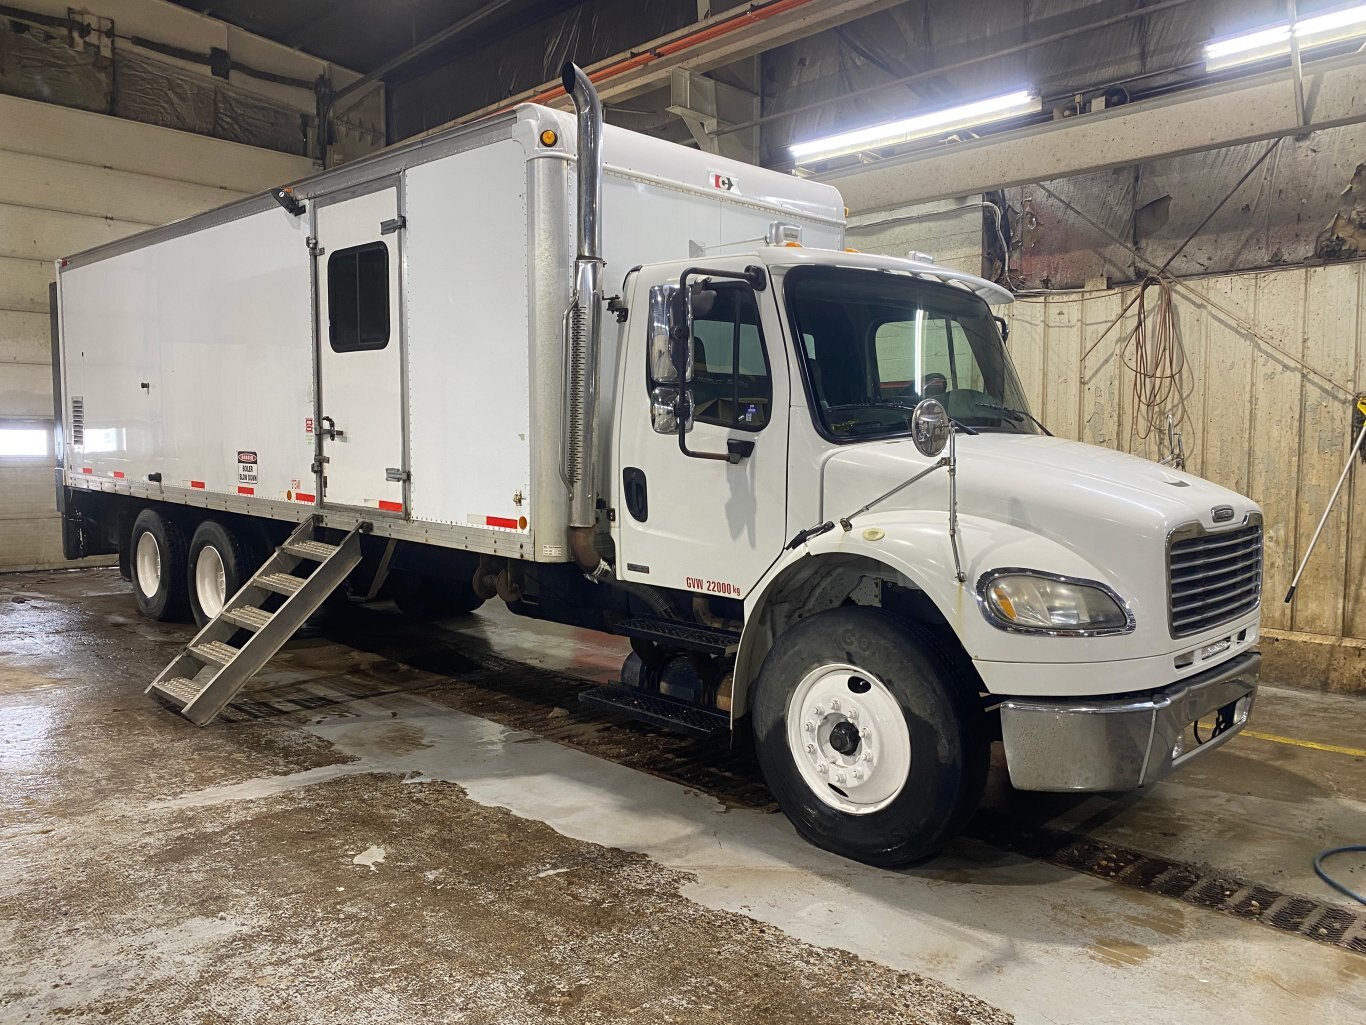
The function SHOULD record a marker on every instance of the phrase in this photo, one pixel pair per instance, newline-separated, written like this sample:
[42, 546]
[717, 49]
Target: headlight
[1044, 603]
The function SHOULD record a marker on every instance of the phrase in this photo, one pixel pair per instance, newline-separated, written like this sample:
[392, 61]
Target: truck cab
[832, 453]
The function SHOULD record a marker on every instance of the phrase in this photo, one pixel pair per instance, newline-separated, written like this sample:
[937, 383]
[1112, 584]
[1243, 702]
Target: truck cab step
[657, 710]
[180, 690]
[668, 633]
[280, 583]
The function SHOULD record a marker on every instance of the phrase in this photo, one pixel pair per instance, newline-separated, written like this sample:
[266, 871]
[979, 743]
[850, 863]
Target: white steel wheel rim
[210, 581]
[147, 559]
[849, 739]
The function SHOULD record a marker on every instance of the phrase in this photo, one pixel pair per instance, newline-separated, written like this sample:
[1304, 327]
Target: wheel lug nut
[858, 775]
[851, 714]
[822, 768]
[810, 749]
[818, 710]
[865, 733]
[839, 777]
[809, 726]
[834, 706]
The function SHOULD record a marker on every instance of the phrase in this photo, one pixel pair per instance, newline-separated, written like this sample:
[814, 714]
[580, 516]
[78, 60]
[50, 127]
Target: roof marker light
[894, 133]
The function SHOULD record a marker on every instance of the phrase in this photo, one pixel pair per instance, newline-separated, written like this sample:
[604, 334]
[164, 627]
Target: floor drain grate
[1294, 913]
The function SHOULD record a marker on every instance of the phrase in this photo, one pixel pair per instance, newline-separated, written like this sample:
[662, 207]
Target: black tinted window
[358, 297]
[731, 383]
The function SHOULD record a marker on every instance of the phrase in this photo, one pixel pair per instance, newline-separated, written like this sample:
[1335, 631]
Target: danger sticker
[246, 467]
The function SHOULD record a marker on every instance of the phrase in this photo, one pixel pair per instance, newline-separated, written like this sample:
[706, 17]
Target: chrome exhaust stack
[583, 321]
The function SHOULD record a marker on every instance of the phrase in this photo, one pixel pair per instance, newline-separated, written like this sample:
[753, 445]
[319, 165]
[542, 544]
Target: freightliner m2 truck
[622, 384]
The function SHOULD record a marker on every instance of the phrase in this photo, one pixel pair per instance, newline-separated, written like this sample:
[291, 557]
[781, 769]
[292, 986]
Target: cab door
[360, 351]
[705, 525]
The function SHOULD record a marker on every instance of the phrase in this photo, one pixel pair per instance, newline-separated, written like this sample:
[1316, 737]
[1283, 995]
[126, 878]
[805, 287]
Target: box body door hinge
[392, 225]
[393, 473]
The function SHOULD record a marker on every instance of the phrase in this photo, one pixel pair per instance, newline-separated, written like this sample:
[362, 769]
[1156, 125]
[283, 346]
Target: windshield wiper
[1017, 415]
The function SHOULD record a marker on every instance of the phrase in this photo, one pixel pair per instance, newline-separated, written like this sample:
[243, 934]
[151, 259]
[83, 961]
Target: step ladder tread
[178, 687]
[249, 616]
[284, 583]
[657, 709]
[215, 651]
[671, 633]
[317, 550]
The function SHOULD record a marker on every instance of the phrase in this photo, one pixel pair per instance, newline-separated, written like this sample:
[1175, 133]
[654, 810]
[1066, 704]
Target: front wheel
[868, 743]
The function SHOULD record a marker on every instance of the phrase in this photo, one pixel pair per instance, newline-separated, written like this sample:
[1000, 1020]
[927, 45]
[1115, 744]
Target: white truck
[803, 480]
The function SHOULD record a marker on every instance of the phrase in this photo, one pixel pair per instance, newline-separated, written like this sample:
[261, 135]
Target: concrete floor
[407, 825]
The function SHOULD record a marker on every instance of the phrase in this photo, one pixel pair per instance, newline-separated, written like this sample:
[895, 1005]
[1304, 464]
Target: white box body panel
[217, 325]
[217, 315]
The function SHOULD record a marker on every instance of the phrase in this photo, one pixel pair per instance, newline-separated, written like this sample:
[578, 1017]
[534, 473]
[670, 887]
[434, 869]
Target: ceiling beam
[713, 42]
[1240, 110]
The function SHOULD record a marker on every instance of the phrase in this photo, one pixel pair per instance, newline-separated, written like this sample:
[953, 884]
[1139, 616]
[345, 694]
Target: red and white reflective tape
[197, 484]
[245, 491]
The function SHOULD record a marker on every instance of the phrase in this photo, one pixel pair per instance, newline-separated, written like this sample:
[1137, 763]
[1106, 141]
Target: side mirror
[670, 361]
[662, 331]
[930, 427]
[1004, 325]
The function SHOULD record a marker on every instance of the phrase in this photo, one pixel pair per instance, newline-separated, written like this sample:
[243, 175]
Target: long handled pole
[1351, 457]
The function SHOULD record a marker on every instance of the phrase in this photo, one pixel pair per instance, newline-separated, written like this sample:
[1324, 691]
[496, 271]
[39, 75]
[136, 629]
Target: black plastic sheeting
[39, 64]
[1303, 204]
[491, 66]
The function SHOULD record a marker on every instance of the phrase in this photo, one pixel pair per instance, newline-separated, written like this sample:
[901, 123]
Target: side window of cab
[732, 384]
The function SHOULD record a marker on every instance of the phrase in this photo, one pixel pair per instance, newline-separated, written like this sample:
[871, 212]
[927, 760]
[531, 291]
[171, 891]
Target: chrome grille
[1213, 578]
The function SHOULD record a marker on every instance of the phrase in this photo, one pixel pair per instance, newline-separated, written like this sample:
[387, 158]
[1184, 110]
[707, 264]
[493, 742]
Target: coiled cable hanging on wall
[1153, 354]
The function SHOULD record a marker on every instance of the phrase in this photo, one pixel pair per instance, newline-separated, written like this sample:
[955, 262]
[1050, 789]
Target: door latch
[393, 473]
[329, 428]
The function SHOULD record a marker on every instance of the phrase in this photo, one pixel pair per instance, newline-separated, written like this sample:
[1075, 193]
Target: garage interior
[402, 820]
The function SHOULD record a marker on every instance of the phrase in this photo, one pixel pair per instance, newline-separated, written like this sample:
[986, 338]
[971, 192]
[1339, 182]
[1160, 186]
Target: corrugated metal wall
[70, 180]
[1254, 420]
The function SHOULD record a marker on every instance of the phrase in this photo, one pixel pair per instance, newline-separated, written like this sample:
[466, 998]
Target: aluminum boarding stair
[210, 671]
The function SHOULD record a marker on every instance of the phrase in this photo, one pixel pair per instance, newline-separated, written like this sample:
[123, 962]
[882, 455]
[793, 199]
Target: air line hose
[1318, 867]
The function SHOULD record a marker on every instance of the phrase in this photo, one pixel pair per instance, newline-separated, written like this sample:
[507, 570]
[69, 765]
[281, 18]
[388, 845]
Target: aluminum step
[280, 583]
[657, 710]
[179, 689]
[668, 633]
[315, 550]
[248, 617]
[218, 652]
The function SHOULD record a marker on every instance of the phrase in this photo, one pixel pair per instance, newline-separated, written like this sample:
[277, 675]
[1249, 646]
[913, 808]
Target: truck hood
[1114, 510]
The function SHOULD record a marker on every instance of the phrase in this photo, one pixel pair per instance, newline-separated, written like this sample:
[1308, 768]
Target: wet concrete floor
[401, 824]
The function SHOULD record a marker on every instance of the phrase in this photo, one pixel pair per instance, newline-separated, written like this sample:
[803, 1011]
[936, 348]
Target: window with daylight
[34, 442]
[358, 298]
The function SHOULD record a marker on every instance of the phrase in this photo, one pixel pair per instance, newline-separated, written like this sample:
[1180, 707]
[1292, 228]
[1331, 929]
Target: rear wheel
[219, 563]
[157, 566]
[868, 743]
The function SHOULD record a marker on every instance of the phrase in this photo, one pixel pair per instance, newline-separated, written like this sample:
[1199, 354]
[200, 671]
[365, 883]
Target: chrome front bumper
[1128, 742]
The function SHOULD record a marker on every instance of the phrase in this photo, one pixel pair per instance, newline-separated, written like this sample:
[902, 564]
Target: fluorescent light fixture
[894, 133]
[1265, 43]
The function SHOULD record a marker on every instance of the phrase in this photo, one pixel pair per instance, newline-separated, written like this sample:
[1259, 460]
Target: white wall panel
[71, 180]
[1252, 419]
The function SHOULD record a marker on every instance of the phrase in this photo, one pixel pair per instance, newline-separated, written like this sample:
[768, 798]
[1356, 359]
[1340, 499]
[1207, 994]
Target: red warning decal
[197, 484]
[299, 496]
[391, 506]
[245, 491]
[118, 474]
[86, 469]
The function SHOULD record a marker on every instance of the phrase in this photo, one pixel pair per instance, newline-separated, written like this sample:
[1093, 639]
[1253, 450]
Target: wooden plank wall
[70, 180]
[1254, 420]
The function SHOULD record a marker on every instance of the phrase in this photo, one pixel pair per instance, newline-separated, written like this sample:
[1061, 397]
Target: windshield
[874, 344]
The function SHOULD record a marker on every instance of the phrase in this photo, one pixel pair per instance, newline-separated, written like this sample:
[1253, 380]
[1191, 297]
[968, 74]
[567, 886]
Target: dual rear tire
[173, 577]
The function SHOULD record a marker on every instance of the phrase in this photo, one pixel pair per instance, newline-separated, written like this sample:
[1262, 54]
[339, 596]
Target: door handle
[330, 428]
[737, 449]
